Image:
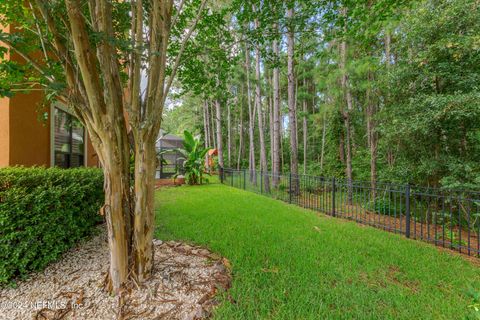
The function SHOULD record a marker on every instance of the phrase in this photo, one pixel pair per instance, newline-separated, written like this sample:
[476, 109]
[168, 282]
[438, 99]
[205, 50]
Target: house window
[69, 137]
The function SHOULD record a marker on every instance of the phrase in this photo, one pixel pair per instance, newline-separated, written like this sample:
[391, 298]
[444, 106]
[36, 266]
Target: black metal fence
[450, 219]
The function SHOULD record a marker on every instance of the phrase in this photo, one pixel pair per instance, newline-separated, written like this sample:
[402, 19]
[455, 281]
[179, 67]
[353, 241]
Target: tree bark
[206, 131]
[258, 103]
[205, 124]
[251, 120]
[229, 137]
[276, 114]
[212, 127]
[305, 129]
[322, 152]
[144, 214]
[117, 207]
[347, 111]
[292, 112]
[111, 110]
[218, 119]
[372, 136]
[240, 147]
[111, 145]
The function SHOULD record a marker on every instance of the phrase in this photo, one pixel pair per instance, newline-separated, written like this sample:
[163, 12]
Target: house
[34, 134]
[50, 138]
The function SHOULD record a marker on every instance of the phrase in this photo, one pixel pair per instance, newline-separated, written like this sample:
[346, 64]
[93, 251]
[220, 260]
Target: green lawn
[291, 263]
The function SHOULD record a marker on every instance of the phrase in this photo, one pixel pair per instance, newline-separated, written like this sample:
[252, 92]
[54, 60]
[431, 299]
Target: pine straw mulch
[183, 286]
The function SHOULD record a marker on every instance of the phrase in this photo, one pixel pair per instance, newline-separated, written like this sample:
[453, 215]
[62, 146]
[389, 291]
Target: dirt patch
[394, 276]
[389, 276]
[184, 284]
[169, 182]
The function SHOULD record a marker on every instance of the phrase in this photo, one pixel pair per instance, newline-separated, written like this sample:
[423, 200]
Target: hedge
[44, 212]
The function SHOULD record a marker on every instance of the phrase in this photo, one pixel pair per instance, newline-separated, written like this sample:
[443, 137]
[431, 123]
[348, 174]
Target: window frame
[62, 107]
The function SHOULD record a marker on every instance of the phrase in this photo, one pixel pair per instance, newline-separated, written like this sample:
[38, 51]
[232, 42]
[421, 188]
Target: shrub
[386, 206]
[44, 212]
[194, 158]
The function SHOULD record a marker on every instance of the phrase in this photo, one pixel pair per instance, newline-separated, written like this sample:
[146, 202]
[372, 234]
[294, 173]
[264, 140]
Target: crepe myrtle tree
[113, 63]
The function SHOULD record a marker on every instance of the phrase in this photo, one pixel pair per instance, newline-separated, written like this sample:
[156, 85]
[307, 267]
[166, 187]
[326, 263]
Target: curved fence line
[450, 219]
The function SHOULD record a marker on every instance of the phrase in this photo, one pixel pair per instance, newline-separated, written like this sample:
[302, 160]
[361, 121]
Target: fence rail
[450, 219]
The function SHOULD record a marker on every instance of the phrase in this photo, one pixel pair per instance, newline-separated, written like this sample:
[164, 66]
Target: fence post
[221, 173]
[231, 182]
[244, 179]
[333, 197]
[407, 211]
[290, 188]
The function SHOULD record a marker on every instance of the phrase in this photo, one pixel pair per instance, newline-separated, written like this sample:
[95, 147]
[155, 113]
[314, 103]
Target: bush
[386, 206]
[44, 212]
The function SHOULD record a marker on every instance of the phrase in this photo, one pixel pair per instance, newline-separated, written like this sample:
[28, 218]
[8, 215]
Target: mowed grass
[291, 263]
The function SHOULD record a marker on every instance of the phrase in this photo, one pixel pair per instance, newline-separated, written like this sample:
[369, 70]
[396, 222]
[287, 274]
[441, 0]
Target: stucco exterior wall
[29, 134]
[4, 132]
[4, 122]
[25, 128]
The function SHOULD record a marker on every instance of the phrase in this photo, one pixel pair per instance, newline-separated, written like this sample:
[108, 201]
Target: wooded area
[366, 90]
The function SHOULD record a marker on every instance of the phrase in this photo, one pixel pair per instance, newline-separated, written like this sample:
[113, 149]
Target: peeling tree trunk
[117, 207]
[104, 104]
[144, 214]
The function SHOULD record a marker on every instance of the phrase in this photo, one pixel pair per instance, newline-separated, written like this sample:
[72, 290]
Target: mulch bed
[184, 285]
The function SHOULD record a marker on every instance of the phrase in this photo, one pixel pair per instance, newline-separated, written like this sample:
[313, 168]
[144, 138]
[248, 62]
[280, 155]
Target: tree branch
[177, 14]
[182, 49]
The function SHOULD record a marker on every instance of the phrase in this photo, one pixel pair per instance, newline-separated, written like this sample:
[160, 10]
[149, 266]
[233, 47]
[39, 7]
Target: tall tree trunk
[206, 131]
[251, 120]
[117, 208]
[112, 145]
[292, 112]
[212, 126]
[144, 214]
[240, 147]
[341, 146]
[218, 119]
[388, 63]
[305, 130]
[347, 111]
[103, 103]
[322, 152]
[372, 136]
[258, 103]
[270, 120]
[276, 114]
[229, 137]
